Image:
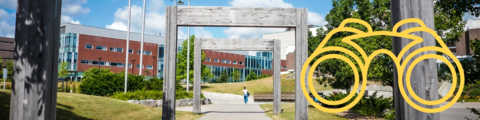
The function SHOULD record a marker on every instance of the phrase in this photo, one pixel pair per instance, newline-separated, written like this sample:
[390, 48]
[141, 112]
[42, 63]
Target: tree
[223, 77]
[207, 74]
[236, 75]
[448, 25]
[182, 65]
[63, 71]
[251, 76]
[10, 68]
[148, 72]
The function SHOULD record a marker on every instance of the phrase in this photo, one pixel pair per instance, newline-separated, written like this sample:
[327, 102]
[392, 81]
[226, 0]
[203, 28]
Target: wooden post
[168, 111]
[301, 55]
[424, 75]
[197, 75]
[34, 92]
[277, 98]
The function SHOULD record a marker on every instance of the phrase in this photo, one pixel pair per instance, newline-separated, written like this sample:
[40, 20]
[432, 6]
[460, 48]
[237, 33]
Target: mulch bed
[355, 116]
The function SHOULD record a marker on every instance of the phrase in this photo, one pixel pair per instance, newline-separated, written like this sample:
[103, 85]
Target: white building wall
[287, 38]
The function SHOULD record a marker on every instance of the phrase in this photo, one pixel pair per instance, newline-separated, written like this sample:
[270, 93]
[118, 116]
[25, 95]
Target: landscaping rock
[150, 103]
[133, 101]
[183, 102]
[159, 103]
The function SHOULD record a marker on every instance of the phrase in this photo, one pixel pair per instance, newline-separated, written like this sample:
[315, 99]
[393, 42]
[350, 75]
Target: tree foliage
[448, 24]
[236, 75]
[182, 62]
[63, 71]
[223, 77]
[251, 76]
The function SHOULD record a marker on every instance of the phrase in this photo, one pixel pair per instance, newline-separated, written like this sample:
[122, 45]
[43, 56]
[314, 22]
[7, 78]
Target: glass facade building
[68, 53]
[255, 64]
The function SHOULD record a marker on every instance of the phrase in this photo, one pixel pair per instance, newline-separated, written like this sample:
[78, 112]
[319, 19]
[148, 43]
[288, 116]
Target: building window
[101, 47]
[208, 59]
[117, 64]
[149, 67]
[95, 62]
[147, 52]
[138, 66]
[241, 63]
[226, 61]
[130, 65]
[138, 51]
[87, 46]
[234, 62]
[216, 60]
[130, 51]
[84, 61]
[116, 49]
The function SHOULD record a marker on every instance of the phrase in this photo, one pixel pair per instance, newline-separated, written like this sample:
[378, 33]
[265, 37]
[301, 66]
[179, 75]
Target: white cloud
[260, 3]
[74, 7]
[244, 32]
[4, 15]
[8, 4]
[467, 16]
[239, 32]
[154, 21]
[6, 29]
[201, 33]
[68, 19]
[316, 19]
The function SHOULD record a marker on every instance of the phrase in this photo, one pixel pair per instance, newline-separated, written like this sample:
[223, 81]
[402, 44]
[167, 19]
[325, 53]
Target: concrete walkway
[229, 107]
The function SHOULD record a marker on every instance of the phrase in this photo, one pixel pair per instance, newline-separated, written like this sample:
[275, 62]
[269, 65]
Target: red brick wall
[291, 60]
[224, 56]
[110, 56]
[270, 72]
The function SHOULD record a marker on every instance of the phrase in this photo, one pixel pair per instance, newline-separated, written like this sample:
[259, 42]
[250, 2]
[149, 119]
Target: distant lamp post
[99, 62]
[180, 2]
[133, 68]
[153, 67]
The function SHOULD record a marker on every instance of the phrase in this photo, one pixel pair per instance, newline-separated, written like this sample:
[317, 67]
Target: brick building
[6, 49]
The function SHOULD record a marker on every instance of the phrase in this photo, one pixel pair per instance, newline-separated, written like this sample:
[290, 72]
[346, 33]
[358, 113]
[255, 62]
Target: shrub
[150, 94]
[367, 106]
[373, 106]
[104, 83]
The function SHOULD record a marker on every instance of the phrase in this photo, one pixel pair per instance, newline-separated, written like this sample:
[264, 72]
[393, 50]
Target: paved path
[458, 111]
[229, 107]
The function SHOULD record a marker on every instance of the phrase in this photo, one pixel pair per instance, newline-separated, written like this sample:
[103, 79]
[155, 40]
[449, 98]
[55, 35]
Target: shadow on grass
[4, 105]
[64, 112]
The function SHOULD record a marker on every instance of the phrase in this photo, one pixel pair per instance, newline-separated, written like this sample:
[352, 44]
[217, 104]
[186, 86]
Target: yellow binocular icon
[368, 58]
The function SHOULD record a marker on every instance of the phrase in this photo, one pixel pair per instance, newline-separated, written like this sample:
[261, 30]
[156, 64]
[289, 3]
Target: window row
[114, 49]
[225, 61]
[114, 64]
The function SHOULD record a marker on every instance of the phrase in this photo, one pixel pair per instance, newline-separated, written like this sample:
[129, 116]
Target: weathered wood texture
[197, 75]
[236, 16]
[424, 75]
[301, 55]
[168, 111]
[34, 93]
[237, 44]
[276, 78]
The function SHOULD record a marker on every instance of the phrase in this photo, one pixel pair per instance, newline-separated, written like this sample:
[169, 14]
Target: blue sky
[113, 14]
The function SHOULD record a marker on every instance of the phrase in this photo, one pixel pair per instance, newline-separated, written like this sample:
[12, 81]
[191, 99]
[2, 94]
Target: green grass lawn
[288, 113]
[261, 85]
[71, 106]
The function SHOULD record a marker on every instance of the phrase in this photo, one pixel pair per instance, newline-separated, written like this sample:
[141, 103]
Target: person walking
[245, 94]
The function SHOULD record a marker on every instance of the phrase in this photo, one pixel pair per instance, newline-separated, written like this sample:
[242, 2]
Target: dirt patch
[355, 116]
